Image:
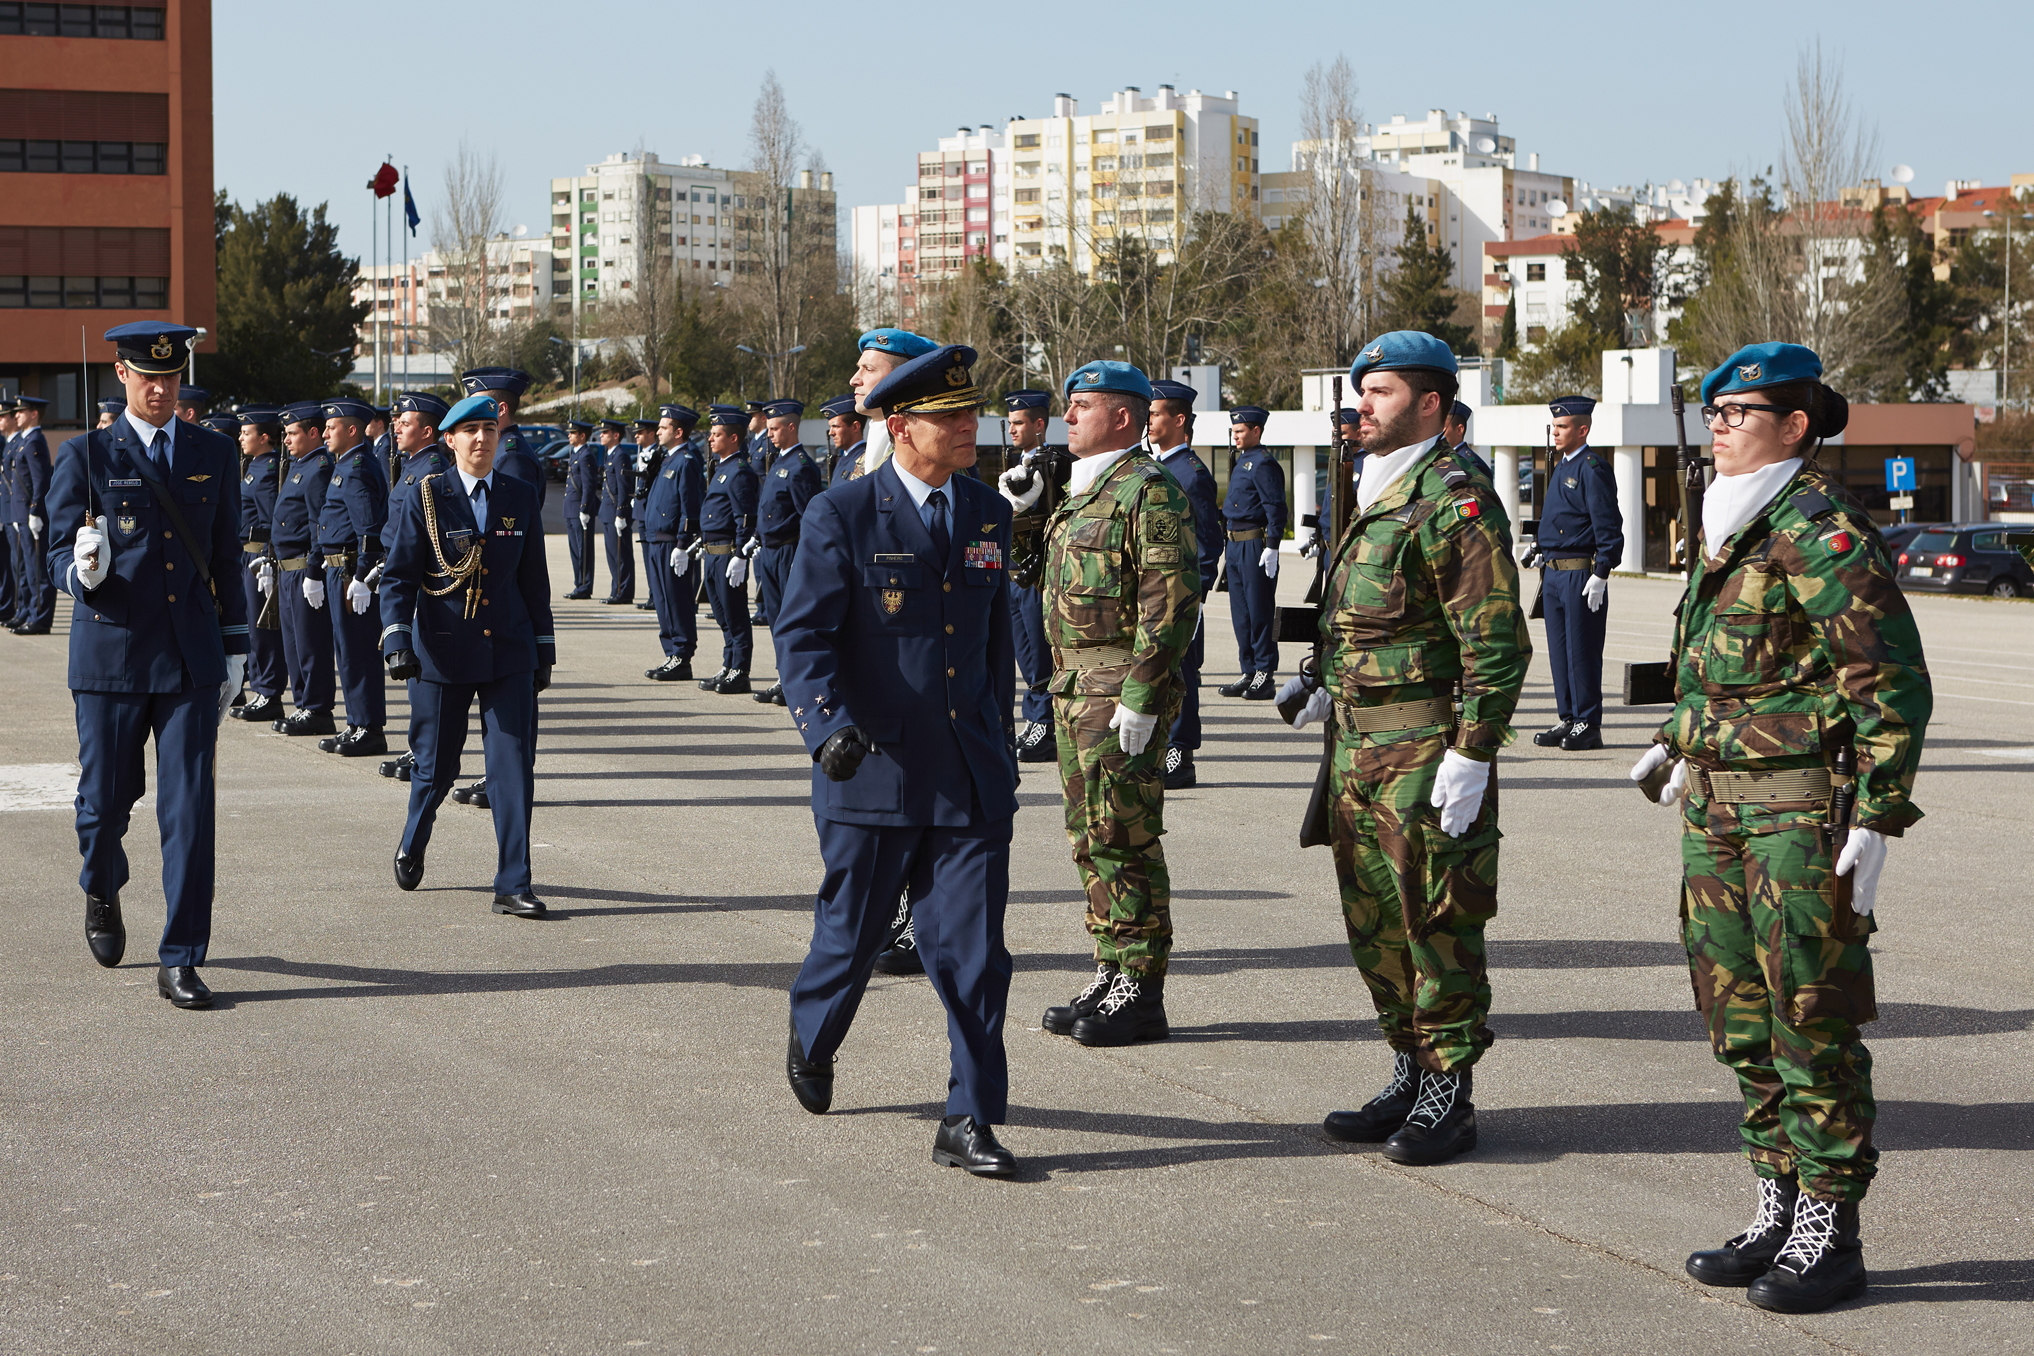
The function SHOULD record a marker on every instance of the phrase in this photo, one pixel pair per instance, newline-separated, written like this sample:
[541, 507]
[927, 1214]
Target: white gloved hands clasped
[1317, 707]
[264, 577]
[1458, 791]
[1267, 560]
[236, 670]
[681, 560]
[1677, 780]
[92, 554]
[1862, 858]
[314, 592]
[1020, 502]
[1133, 729]
[359, 597]
[1594, 590]
[737, 572]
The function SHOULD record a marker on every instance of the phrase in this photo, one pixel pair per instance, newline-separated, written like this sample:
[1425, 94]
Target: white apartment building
[403, 296]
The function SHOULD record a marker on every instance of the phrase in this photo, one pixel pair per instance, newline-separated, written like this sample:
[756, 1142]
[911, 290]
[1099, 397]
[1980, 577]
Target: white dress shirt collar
[918, 489]
[147, 431]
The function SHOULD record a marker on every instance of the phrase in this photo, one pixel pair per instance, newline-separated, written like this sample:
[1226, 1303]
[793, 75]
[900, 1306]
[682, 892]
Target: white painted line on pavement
[2013, 755]
[38, 786]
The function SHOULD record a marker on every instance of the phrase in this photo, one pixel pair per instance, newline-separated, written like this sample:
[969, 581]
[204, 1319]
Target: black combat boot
[1583, 735]
[1237, 688]
[1179, 768]
[1383, 1115]
[1750, 1255]
[1133, 1010]
[712, 684]
[1551, 737]
[1036, 744]
[367, 741]
[1442, 1123]
[899, 955]
[768, 696]
[305, 723]
[261, 710]
[332, 743]
[733, 683]
[1060, 1020]
[1263, 687]
[1822, 1263]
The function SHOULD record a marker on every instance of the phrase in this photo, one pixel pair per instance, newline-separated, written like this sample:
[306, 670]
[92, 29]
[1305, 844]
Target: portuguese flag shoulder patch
[1468, 508]
[1837, 542]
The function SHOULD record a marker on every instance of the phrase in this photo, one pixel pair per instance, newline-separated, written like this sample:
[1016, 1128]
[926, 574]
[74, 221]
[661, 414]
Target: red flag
[384, 181]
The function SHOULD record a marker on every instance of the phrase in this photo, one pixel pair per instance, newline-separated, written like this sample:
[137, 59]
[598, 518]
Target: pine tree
[1417, 295]
[287, 319]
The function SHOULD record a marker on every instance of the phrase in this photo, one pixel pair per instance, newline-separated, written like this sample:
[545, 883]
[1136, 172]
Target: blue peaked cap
[1030, 398]
[1573, 406]
[1250, 414]
[1173, 390]
[727, 416]
[838, 406]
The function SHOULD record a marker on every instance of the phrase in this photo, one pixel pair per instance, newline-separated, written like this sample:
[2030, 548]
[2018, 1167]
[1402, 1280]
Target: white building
[403, 298]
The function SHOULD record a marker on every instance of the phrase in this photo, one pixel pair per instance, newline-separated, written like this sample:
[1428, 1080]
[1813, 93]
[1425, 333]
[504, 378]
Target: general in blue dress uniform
[786, 488]
[1171, 436]
[617, 488]
[1254, 520]
[307, 637]
[349, 547]
[670, 527]
[584, 468]
[260, 430]
[844, 429]
[898, 664]
[158, 642]
[1581, 539]
[32, 537]
[727, 518]
[517, 453]
[466, 610]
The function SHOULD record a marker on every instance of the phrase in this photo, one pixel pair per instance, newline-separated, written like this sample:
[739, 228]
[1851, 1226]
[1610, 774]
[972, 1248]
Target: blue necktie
[942, 539]
[158, 452]
[480, 505]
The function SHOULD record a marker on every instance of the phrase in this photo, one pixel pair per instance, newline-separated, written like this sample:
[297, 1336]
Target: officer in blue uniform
[1028, 413]
[1254, 519]
[789, 485]
[1581, 538]
[727, 517]
[517, 454]
[109, 410]
[844, 429]
[1455, 433]
[899, 667]
[8, 601]
[306, 632]
[584, 468]
[145, 537]
[649, 456]
[225, 425]
[670, 527]
[759, 450]
[349, 550]
[192, 402]
[1170, 433]
[413, 431]
[32, 536]
[617, 488]
[466, 610]
[260, 431]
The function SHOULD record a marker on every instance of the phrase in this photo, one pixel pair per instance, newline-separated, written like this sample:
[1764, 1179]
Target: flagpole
[373, 227]
[409, 311]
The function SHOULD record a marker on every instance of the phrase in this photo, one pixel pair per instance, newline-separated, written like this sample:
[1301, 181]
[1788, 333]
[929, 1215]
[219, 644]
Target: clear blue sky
[1612, 93]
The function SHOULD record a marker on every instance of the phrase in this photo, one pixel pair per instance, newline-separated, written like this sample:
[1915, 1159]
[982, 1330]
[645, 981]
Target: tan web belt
[1247, 534]
[1097, 657]
[253, 548]
[295, 563]
[340, 560]
[1396, 715]
[1759, 788]
[1578, 563]
[719, 548]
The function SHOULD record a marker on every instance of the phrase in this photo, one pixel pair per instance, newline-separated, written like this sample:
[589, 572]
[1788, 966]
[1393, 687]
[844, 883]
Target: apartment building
[105, 187]
[403, 298]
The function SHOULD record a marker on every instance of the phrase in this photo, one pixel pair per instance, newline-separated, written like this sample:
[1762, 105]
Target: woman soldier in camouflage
[1802, 698]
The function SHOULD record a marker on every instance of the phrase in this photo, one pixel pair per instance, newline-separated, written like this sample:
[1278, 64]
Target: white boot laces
[1814, 1229]
[1403, 1071]
[1104, 976]
[1122, 993]
[1437, 1098]
[1772, 1211]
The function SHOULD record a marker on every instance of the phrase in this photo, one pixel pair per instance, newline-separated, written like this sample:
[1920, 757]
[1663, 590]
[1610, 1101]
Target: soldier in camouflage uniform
[1801, 702]
[1122, 598]
[1422, 599]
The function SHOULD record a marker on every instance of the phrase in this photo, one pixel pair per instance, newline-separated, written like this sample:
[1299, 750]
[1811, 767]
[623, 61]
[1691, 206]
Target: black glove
[842, 753]
[403, 664]
[543, 676]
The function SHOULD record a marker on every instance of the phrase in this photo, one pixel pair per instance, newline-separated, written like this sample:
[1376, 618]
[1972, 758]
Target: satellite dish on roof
[1557, 207]
[1903, 174]
[1677, 187]
[522, 231]
[1485, 145]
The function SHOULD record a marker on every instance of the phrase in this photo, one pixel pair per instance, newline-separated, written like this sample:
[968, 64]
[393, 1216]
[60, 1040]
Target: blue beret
[1249, 414]
[1030, 398]
[682, 415]
[193, 395]
[304, 412]
[579, 425]
[118, 407]
[420, 402]
[1757, 366]
[1173, 390]
[933, 383]
[1572, 406]
[246, 414]
[896, 343]
[614, 426]
[1401, 350]
[472, 408]
[479, 380]
[1104, 375]
[1462, 411]
[221, 423]
[342, 407]
[784, 409]
[151, 347]
[727, 416]
[838, 406]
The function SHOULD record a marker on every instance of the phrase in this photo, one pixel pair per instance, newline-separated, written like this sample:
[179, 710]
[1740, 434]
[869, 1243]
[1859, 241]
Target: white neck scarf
[1732, 501]
[1088, 470]
[1381, 472]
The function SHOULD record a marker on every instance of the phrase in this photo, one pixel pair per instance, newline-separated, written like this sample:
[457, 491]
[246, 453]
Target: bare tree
[468, 215]
[1338, 221]
[639, 318]
[790, 238]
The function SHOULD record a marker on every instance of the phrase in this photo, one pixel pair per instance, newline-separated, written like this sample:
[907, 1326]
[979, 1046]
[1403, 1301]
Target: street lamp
[770, 361]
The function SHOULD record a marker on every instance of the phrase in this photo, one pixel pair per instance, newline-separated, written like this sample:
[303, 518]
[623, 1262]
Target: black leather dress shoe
[732, 684]
[105, 932]
[364, 743]
[308, 723]
[768, 696]
[672, 672]
[1583, 734]
[576, 595]
[973, 1146]
[409, 869]
[1237, 688]
[642, 607]
[41, 630]
[1551, 737]
[523, 905]
[811, 1081]
[476, 794]
[260, 710]
[181, 985]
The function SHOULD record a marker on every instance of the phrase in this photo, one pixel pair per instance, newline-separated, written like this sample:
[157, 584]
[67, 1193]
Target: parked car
[1964, 558]
[1899, 534]
[555, 458]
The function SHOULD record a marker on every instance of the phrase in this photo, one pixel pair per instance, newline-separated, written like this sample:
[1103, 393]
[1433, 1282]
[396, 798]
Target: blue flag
[409, 207]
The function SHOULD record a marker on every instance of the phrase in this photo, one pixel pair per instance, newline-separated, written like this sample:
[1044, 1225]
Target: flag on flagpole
[410, 216]
[384, 181]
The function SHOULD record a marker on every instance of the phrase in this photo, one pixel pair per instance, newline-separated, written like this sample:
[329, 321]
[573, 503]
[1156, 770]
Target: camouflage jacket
[1121, 574]
[1796, 642]
[1423, 591]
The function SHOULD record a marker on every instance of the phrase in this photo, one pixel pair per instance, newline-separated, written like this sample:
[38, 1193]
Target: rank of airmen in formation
[935, 627]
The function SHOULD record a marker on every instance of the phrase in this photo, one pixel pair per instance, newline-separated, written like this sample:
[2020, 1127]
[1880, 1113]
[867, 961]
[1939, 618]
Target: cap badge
[161, 348]
[1091, 378]
[1750, 372]
[956, 375]
[1377, 352]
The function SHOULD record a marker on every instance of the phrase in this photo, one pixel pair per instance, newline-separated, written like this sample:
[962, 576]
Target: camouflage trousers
[1783, 978]
[1115, 813]
[1414, 900]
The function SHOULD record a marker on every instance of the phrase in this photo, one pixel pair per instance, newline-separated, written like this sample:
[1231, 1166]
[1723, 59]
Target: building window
[1536, 272]
[81, 157]
[84, 293]
[1027, 141]
[143, 22]
[1535, 333]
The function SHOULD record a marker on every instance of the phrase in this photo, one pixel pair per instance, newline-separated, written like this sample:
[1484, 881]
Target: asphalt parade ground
[411, 1125]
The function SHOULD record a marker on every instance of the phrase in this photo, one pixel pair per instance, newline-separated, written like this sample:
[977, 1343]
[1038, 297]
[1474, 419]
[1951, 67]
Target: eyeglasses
[1733, 415]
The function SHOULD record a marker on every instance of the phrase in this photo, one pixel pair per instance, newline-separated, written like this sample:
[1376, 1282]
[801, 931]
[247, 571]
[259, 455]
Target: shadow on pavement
[1989, 1280]
[355, 981]
[1540, 1134]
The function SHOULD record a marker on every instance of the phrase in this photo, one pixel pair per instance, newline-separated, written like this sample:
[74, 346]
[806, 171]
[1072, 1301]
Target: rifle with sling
[1305, 624]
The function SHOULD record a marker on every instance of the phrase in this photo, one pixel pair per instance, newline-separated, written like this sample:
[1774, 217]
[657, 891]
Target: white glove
[92, 555]
[1458, 791]
[1862, 858]
[1267, 561]
[35, 525]
[264, 577]
[314, 592]
[621, 524]
[1133, 731]
[1523, 550]
[1021, 502]
[586, 521]
[359, 597]
[681, 560]
[236, 669]
[1594, 590]
[737, 572]
[1317, 707]
[1304, 538]
[1677, 780]
[642, 462]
